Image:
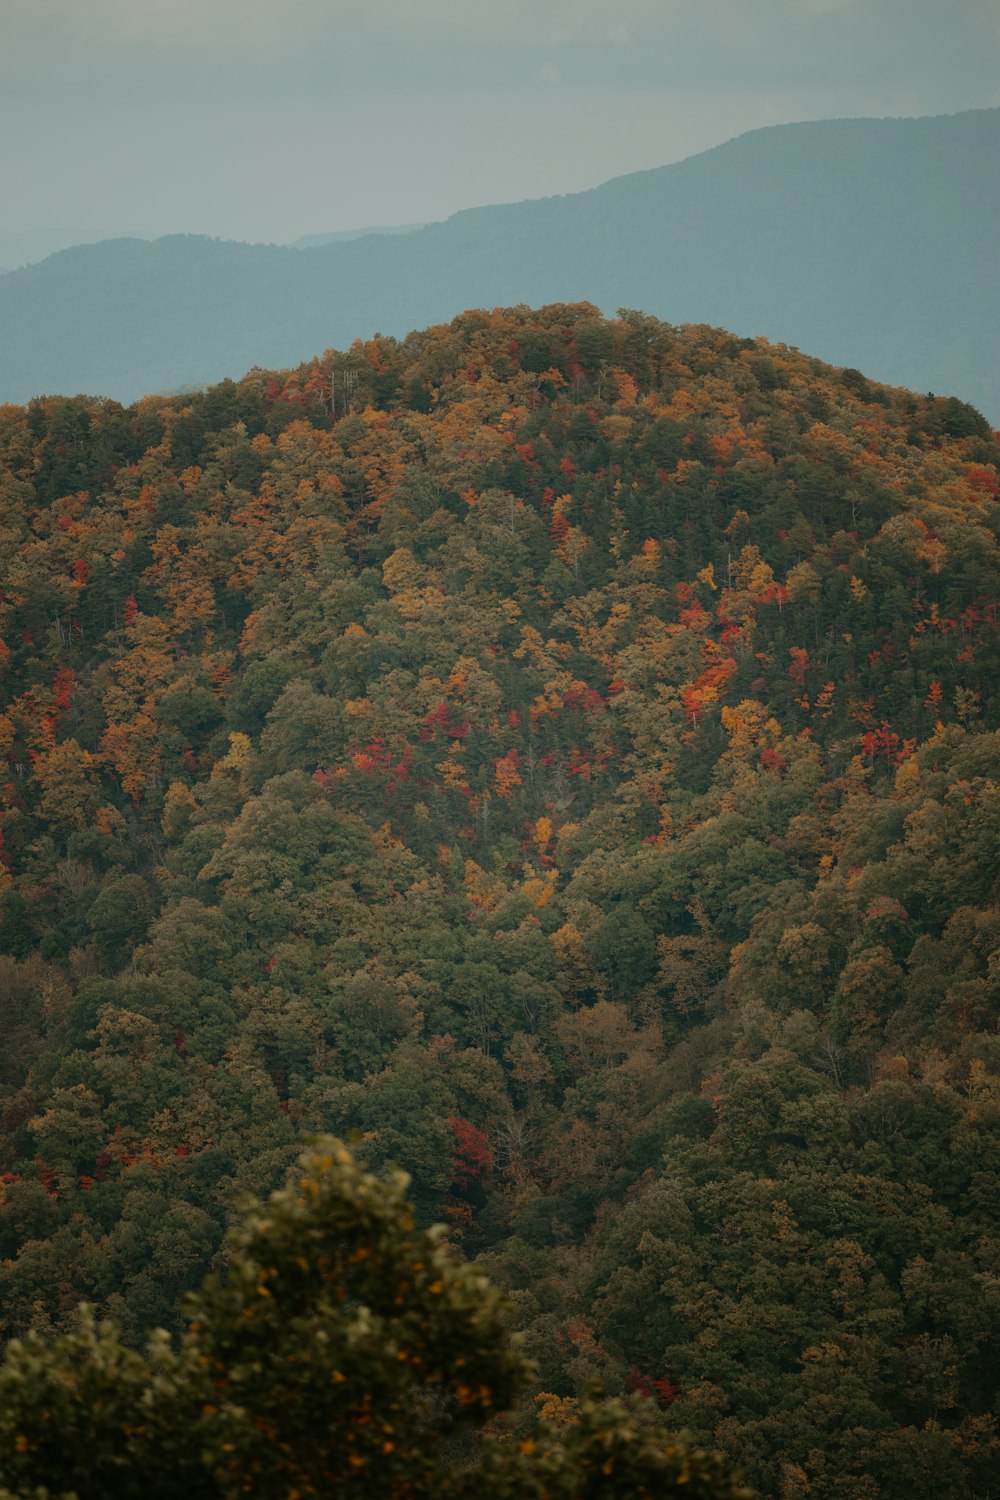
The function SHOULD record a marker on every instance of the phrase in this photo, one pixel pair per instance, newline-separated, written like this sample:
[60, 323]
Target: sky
[250, 119]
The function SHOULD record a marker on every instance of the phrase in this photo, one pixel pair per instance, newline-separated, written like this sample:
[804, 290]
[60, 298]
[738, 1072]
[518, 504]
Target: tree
[343, 1348]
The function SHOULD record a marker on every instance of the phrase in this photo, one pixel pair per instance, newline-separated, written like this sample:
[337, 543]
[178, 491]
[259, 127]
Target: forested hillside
[869, 242]
[563, 754]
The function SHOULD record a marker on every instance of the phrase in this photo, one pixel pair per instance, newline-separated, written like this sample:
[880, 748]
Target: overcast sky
[257, 120]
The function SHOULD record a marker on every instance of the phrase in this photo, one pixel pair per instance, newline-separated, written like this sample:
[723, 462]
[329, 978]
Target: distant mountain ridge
[870, 243]
[22, 247]
[25, 247]
[313, 241]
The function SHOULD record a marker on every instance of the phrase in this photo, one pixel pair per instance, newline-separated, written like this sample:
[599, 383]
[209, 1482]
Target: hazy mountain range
[24, 247]
[870, 243]
[313, 241]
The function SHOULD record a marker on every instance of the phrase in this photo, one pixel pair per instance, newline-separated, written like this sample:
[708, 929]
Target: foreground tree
[342, 1348]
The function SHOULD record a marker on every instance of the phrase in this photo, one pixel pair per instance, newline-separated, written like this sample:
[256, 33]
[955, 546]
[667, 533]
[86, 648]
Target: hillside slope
[564, 756]
[871, 243]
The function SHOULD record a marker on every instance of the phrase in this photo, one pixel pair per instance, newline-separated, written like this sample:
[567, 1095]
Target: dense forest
[559, 755]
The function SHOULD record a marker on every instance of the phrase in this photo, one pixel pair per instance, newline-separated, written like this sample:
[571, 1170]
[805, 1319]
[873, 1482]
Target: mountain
[21, 247]
[563, 757]
[868, 242]
[312, 241]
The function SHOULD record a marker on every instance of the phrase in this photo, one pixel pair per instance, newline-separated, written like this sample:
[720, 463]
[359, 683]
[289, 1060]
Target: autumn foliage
[560, 755]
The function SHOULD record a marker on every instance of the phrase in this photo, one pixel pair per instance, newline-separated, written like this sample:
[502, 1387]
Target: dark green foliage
[342, 1348]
